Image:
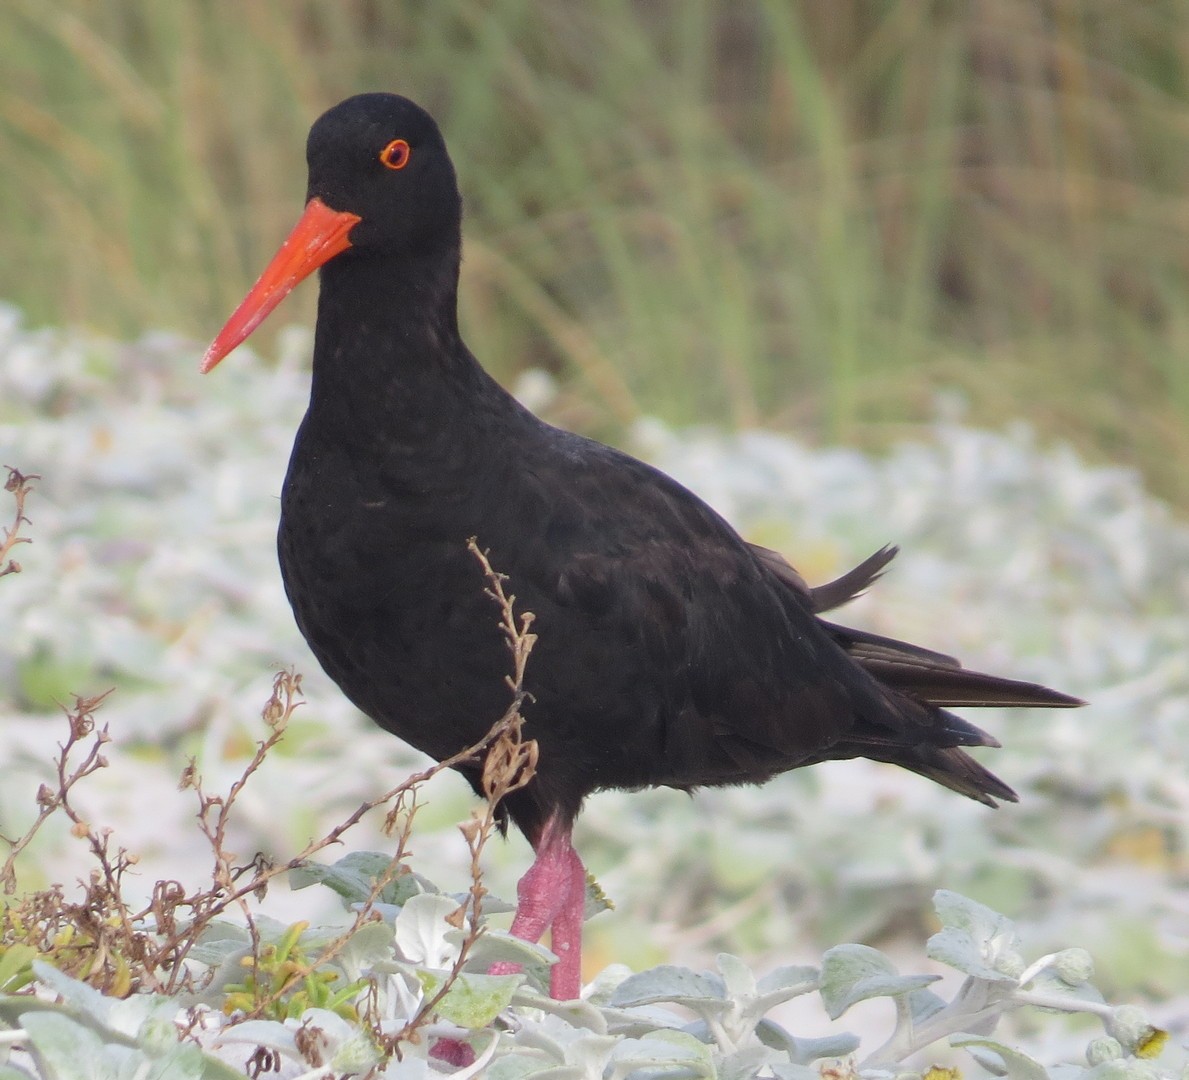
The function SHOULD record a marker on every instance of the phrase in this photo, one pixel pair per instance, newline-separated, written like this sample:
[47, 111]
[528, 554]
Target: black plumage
[670, 651]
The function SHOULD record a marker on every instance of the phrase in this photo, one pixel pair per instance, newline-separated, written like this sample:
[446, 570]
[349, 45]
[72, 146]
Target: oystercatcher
[670, 651]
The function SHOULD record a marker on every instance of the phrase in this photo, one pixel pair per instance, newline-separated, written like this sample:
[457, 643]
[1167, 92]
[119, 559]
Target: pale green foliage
[1073, 574]
[666, 1022]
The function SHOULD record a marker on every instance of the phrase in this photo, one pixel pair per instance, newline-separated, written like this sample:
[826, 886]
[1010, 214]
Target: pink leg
[565, 936]
[552, 895]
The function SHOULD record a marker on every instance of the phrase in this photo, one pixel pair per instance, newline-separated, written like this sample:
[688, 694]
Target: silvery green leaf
[743, 1064]
[184, 1062]
[795, 1072]
[408, 1067]
[661, 1049]
[922, 1004]
[78, 996]
[737, 977]
[1112, 1070]
[473, 1001]
[803, 1051]
[828, 1046]
[772, 1034]
[348, 1048]
[403, 995]
[798, 979]
[1049, 983]
[65, 1050]
[550, 1043]
[590, 1052]
[272, 930]
[1126, 1069]
[679, 985]
[271, 1034]
[370, 944]
[423, 936]
[974, 939]
[959, 950]
[12, 1072]
[13, 1006]
[157, 1036]
[219, 942]
[522, 1066]
[577, 1014]
[564, 1044]
[497, 945]
[354, 876]
[604, 984]
[489, 905]
[852, 973]
[782, 985]
[214, 1069]
[351, 877]
[552, 1072]
[123, 1017]
[1011, 1062]
[387, 912]
[640, 1020]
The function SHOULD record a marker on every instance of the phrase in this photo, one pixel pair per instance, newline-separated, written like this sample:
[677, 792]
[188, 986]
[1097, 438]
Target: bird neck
[387, 337]
[388, 356]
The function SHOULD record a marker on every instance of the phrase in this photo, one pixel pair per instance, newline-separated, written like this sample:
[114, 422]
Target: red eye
[395, 155]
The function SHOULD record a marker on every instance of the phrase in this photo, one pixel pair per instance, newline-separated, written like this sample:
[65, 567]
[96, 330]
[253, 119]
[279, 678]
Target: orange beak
[319, 235]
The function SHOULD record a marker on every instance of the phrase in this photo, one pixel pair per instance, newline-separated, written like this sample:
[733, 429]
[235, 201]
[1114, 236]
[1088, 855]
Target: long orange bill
[319, 235]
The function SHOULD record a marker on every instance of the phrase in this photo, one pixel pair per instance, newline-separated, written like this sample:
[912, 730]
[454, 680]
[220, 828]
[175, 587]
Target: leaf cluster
[198, 984]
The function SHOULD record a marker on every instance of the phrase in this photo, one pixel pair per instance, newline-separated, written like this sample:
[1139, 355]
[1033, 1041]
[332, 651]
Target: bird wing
[723, 670]
[746, 683]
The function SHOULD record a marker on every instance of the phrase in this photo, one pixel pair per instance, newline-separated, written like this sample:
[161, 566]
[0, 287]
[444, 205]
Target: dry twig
[20, 485]
[82, 726]
[120, 950]
[509, 763]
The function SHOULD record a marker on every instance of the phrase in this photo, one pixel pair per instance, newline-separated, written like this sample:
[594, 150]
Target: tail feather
[969, 689]
[949, 766]
[918, 685]
[939, 679]
[854, 582]
[832, 594]
[958, 771]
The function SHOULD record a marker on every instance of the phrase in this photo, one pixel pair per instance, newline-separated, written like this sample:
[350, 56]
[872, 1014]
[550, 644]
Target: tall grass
[810, 214]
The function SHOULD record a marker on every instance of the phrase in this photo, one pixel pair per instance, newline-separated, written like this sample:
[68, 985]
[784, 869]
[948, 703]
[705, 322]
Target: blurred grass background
[810, 215]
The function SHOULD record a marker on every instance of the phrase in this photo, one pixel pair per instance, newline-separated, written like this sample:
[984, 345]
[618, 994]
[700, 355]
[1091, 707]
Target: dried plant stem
[20, 485]
[509, 763]
[123, 950]
[82, 725]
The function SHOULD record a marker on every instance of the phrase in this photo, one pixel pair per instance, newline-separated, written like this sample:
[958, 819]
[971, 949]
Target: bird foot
[552, 896]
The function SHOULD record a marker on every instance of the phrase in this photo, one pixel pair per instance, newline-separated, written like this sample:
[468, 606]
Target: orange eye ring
[395, 155]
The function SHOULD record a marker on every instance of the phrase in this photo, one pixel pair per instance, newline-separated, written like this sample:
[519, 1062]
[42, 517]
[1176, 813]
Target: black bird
[670, 651]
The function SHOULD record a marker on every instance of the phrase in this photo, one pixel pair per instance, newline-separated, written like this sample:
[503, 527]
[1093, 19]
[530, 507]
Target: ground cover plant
[94, 987]
[151, 574]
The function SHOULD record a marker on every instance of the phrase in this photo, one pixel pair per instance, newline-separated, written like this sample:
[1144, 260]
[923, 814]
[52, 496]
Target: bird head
[381, 185]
